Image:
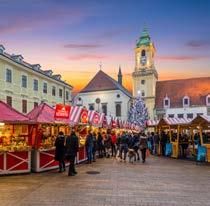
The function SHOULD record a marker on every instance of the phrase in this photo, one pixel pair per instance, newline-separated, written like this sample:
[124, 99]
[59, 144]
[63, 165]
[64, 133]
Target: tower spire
[120, 76]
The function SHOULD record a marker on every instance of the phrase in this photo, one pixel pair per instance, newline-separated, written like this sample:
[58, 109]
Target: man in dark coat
[89, 147]
[60, 151]
[72, 147]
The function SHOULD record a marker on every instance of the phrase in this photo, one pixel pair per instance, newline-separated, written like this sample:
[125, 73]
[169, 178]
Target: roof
[103, 82]
[144, 38]
[10, 115]
[195, 88]
[31, 66]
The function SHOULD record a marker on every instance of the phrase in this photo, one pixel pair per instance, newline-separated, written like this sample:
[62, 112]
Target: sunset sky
[73, 37]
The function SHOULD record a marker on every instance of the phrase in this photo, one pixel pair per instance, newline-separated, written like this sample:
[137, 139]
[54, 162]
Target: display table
[15, 162]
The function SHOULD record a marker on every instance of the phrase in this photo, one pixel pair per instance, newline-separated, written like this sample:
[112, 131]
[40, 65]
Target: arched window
[186, 101]
[91, 106]
[208, 100]
[166, 102]
[143, 53]
[104, 108]
[118, 110]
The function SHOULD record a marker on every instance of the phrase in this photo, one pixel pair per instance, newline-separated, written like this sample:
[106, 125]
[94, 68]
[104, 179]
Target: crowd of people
[124, 145]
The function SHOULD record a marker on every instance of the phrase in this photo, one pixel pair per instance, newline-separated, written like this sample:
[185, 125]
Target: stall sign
[62, 111]
[84, 116]
[96, 118]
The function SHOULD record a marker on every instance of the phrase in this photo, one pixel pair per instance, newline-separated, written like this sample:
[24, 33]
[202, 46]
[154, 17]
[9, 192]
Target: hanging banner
[84, 116]
[96, 118]
[62, 111]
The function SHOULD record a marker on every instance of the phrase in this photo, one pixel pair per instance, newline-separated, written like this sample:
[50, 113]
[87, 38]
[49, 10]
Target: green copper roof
[144, 38]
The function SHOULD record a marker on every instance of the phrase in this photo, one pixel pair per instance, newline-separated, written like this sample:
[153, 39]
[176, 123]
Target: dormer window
[186, 101]
[57, 76]
[2, 49]
[208, 100]
[48, 72]
[166, 102]
[17, 58]
[36, 67]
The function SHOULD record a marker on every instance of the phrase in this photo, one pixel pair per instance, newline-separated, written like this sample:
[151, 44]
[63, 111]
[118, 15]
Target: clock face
[143, 60]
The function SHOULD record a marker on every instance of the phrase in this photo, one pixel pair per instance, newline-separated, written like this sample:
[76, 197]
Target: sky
[73, 37]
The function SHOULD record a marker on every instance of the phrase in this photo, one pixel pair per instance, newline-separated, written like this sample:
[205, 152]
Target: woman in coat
[143, 146]
[60, 151]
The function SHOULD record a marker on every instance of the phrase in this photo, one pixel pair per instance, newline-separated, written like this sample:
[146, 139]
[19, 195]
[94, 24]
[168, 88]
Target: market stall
[202, 124]
[15, 141]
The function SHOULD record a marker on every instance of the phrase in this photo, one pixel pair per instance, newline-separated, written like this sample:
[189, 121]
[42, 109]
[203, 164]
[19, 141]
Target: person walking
[107, 144]
[100, 145]
[60, 151]
[113, 143]
[136, 145]
[94, 146]
[118, 143]
[89, 147]
[143, 146]
[123, 146]
[72, 147]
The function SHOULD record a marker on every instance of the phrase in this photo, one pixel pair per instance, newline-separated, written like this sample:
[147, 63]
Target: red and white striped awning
[177, 121]
[75, 115]
[96, 119]
[152, 123]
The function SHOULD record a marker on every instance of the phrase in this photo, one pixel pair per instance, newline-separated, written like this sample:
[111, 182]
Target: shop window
[24, 81]
[24, 106]
[190, 116]
[180, 115]
[186, 101]
[9, 101]
[104, 108]
[166, 102]
[35, 104]
[171, 115]
[67, 95]
[9, 75]
[91, 107]
[118, 109]
[53, 91]
[60, 93]
[45, 87]
[35, 85]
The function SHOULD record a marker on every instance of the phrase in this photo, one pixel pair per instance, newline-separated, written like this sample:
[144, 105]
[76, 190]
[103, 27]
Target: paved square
[161, 181]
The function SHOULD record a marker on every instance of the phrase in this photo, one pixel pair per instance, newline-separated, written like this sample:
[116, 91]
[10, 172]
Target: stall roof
[10, 115]
[201, 119]
[152, 123]
[174, 121]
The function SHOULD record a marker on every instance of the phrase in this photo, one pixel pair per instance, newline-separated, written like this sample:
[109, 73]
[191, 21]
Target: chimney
[120, 76]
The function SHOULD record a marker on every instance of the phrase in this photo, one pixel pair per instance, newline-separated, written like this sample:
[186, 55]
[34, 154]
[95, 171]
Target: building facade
[106, 95]
[183, 98]
[24, 85]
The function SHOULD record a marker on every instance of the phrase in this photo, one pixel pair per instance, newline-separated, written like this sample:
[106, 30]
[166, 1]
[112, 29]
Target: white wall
[109, 97]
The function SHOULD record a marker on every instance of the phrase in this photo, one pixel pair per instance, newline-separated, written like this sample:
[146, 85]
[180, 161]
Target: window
[9, 101]
[104, 108]
[67, 95]
[24, 106]
[24, 81]
[9, 75]
[45, 88]
[180, 115]
[171, 115]
[118, 110]
[190, 116]
[142, 81]
[208, 111]
[166, 102]
[143, 94]
[118, 95]
[91, 106]
[35, 104]
[35, 85]
[198, 114]
[53, 91]
[143, 53]
[208, 100]
[60, 93]
[186, 101]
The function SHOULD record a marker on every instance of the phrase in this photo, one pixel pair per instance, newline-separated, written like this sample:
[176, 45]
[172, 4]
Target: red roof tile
[195, 88]
[102, 82]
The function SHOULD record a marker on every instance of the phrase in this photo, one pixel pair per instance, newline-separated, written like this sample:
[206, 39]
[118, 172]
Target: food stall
[15, 141]
[202, 124]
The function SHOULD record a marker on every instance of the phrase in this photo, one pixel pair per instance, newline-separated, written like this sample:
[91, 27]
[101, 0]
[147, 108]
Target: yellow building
[24, 85]
[145, 75]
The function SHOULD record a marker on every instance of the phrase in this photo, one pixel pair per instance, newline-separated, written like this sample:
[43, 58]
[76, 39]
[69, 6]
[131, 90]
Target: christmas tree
[138, 113]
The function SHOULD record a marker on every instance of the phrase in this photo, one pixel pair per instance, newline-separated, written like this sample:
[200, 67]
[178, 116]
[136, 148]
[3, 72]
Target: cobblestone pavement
[160, 181]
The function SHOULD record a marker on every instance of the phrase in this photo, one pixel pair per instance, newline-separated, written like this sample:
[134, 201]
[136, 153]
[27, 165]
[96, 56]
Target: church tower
[145, 75]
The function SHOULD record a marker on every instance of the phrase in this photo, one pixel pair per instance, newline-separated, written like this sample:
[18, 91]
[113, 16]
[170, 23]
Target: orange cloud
[180, 58]
[86, 57]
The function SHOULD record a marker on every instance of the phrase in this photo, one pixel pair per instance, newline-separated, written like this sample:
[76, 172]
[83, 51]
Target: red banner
[84, 116]
[62, 111]
[96, 118]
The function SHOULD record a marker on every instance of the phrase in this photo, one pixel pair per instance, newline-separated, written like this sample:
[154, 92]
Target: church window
[186, 101]
[142, 81]
[91, 106]
[208, 100]
[143, 53]
[118, 109]
[166, 102]
[104, 108]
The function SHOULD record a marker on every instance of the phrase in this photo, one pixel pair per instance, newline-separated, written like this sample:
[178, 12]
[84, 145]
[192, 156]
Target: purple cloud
[82, 46]
[86, 57]
[180, 57]
[198, 43]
